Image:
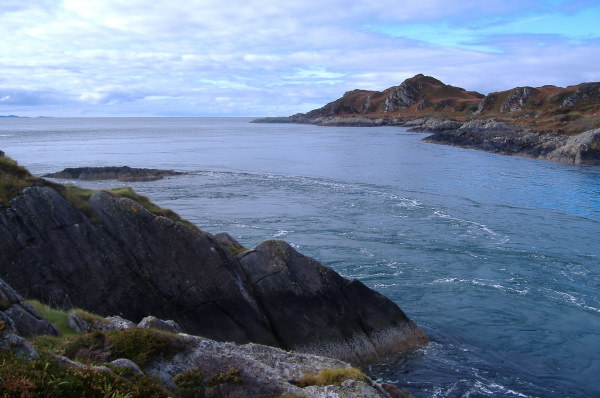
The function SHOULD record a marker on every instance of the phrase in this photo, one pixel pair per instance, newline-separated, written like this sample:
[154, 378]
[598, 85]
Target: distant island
[549, 122]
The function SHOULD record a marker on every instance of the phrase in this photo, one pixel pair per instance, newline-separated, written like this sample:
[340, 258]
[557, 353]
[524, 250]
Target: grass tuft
[54, 316]
[334, 376]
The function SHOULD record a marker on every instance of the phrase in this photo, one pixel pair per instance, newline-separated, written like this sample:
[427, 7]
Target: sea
[497, 258]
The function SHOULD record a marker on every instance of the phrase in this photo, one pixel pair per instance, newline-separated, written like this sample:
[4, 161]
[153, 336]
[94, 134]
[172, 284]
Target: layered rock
[133, 263]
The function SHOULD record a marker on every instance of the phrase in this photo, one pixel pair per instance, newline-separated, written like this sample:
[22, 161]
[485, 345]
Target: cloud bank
[258, 57]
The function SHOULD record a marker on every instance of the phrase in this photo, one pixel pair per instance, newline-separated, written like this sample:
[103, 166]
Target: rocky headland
[114, 253]
[551, 123]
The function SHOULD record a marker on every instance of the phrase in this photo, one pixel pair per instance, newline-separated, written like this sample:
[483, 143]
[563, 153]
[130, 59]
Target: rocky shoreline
[114, 252]
[483, 134]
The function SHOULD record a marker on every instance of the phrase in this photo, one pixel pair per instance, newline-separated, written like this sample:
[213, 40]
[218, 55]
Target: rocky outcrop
[18, 319]
[263, 371]
[284, 281]
[122, 173]
[580, 149]
[133, 263]
[499, 137]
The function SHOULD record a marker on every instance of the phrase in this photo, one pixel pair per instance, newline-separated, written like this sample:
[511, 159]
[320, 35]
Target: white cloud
[258, 57]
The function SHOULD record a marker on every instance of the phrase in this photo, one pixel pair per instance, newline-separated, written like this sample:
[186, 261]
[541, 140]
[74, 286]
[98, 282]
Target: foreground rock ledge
[260, 371]
[131, 262]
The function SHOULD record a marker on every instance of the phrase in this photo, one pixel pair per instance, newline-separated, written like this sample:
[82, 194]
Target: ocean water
[496, 257]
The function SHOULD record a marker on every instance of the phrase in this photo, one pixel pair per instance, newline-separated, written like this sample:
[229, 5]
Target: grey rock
[265, 371]
[127, 363]
[583, 148]
[117, 323]
[17, 345]
[586, 93]
[516, 101]
[151, 322]
[401, 97]
[69, 362]
[77, 324]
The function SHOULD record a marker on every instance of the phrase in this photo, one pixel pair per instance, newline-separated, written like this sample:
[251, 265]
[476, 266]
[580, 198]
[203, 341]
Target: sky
[277, 58]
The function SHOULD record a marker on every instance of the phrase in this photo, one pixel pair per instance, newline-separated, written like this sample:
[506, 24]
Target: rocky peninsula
[115, 253]
[551, 123]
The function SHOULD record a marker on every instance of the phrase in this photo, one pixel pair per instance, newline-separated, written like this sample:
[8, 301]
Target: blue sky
[259, 57]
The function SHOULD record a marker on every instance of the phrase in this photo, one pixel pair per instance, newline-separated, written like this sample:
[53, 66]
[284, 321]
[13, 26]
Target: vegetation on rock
[336, 377]
[47, 377]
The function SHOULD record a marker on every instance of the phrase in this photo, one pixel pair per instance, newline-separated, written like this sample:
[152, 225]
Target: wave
[482, 283]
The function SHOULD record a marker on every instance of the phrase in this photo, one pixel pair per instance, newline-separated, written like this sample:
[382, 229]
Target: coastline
[488, 135]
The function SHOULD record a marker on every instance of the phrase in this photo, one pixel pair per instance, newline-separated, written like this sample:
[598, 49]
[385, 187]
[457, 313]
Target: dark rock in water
[133, 263]
[313, 309]
[122, 173]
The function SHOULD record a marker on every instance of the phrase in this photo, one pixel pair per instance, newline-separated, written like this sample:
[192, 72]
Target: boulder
[17, 345]
[152, 322]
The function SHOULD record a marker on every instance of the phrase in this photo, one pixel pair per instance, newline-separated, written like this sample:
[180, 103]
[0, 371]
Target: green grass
[13, 179]
[54, 316]
[137, 344]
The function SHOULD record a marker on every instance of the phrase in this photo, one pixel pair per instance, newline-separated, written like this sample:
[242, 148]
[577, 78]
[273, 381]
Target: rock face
[123, 173]
[133, 263]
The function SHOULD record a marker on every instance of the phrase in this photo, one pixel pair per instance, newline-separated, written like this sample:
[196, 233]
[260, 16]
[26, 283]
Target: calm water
[498, 258]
